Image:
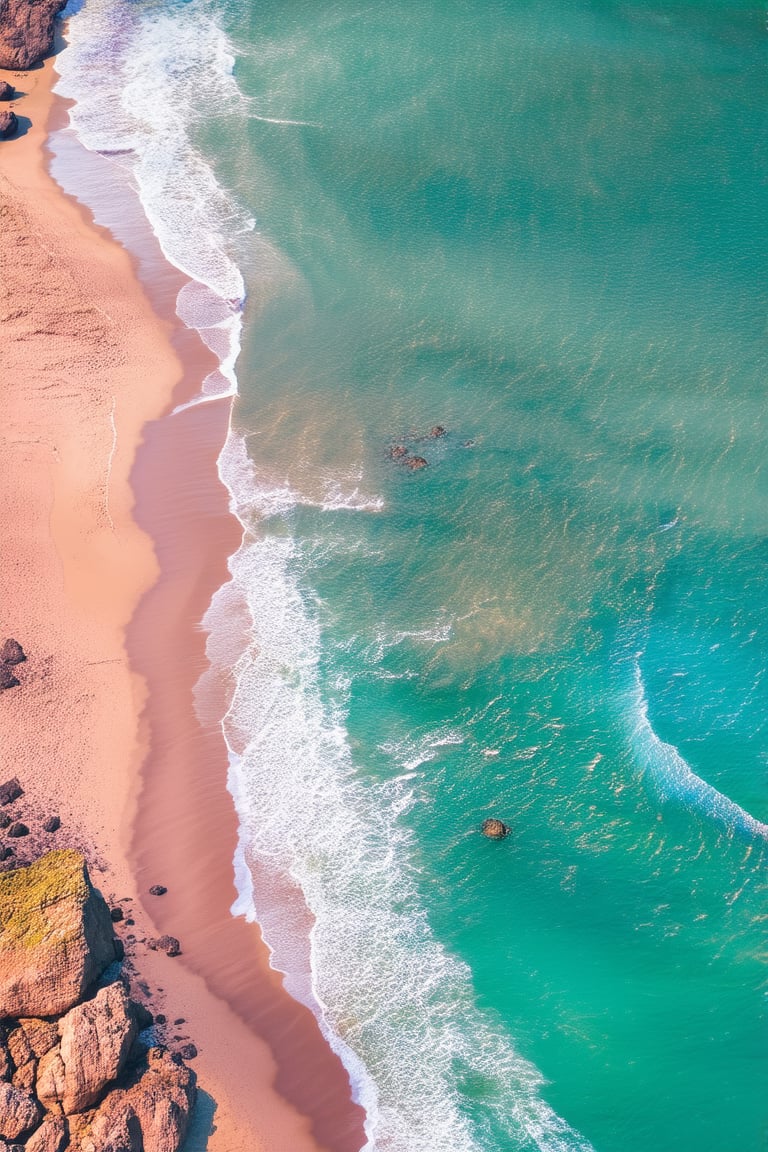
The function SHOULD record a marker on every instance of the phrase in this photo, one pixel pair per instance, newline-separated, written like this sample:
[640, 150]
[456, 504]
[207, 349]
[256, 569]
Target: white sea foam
[671, 775]
[392, 1002]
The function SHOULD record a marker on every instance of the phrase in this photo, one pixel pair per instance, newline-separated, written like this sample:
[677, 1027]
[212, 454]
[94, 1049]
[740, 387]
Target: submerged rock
[57, 936]
[495, 829]
[414, 463]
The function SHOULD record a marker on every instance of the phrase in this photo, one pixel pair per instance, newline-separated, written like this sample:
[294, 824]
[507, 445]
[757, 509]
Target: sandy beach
[115, 535]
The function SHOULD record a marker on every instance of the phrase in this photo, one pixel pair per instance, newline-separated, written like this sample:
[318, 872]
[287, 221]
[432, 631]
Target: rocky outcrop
[151, 1114]
[84, 1081]
[96, 1041]
[26, 31]
[56, 936]
[6, 90]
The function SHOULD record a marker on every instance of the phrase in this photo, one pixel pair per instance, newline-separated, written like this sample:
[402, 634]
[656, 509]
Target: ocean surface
[539, 229]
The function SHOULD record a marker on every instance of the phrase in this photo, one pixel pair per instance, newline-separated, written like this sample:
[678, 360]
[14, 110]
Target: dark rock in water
[188, 1051]
[8, 124]
[414, 463]
[180, 1020]
[52, 824]
[158, 890]
[160, 1018]
[167, 944]
[10, 791]
[12, 653]
[436, 432]
[7, 678]
[26, 31]
[495, 829]
[397, 452]
[6, 90]
[17, 830]
[116, 915]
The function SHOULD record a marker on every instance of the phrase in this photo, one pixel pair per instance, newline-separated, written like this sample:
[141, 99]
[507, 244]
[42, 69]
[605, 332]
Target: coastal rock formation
[83, 1082]
[6, 90]
[415, 463]
[26, 31]
[494, 829]
[56, 938]
[150, 1114]
[167, 944]
[12, 652]
[8, 124]
[96, 1040]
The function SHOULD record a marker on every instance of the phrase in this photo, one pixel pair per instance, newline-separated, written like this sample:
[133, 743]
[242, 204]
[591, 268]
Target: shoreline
[109, 562]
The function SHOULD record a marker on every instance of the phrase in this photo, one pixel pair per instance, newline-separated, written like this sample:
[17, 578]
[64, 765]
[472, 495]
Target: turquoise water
[540, 227]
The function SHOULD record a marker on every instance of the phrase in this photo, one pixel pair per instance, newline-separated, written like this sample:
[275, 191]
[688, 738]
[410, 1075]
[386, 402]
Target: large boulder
[19, 1112]
[150, 1114]
[56, 936]
[96, 1040]
[26, 31]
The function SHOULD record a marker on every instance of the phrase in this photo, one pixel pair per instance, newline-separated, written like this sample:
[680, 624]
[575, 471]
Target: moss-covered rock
[56, 936]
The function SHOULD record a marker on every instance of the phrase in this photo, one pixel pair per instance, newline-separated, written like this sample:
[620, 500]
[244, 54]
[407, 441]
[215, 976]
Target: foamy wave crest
[142, 77]
[673, 778]
[397, 1008]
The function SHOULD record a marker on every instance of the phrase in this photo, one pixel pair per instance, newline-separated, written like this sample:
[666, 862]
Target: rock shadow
[201, 1125]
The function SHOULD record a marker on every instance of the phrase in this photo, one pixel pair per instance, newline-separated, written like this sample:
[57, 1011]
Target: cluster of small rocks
[402, 454]
[30, 835]
[80, 1066]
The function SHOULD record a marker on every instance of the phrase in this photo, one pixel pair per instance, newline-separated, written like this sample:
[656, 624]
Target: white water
[672, 777]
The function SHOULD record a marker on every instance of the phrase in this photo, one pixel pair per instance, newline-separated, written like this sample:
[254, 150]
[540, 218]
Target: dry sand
[102, 728]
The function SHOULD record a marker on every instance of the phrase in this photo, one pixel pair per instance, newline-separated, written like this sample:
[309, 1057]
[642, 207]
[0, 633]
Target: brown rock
[158, 890]
[436, 432]
[10, 791]
[96, 1039]
[151, 1114]
[19, 1112]
[8, 125]
[397, 452]
[17, 830]
[11, 651]
[41, 1035]
[6, 90]
[51, 1136]
[167, 944]
[7, 678]
[415, 463]
[6, 1064]
[57, 937]
[26, 31]
[494, 829]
